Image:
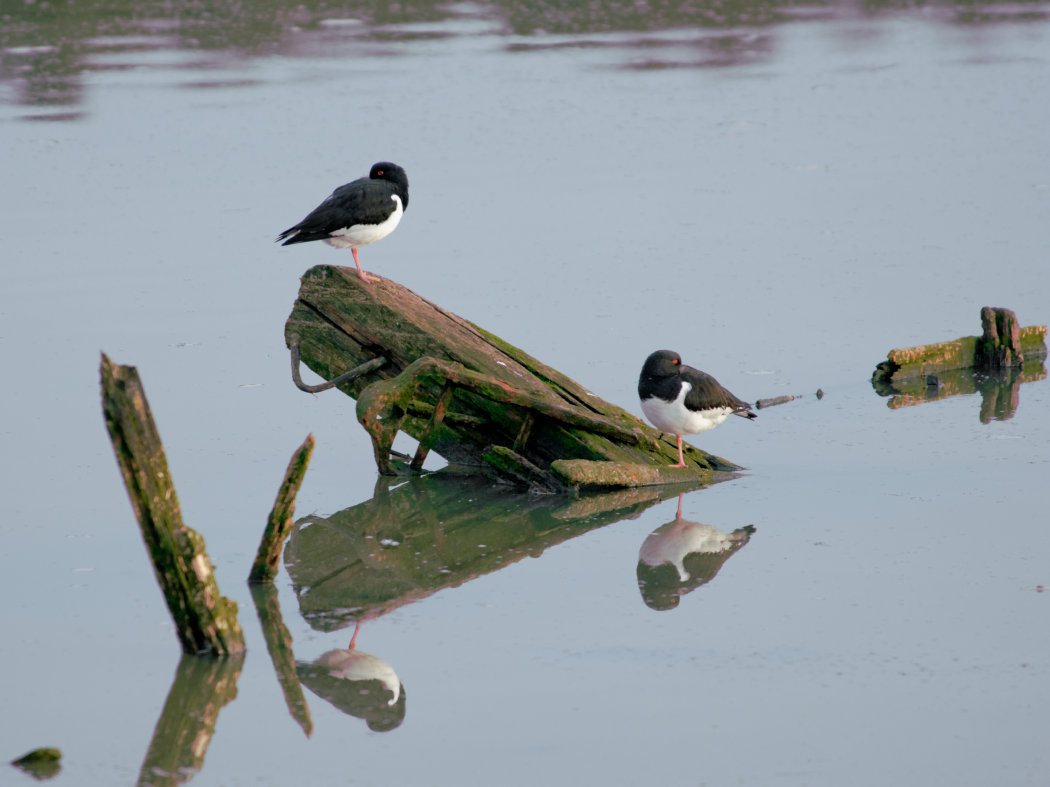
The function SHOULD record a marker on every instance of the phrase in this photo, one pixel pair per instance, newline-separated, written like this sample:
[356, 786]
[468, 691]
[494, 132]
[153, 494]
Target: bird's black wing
[706, 391]
[363, 201]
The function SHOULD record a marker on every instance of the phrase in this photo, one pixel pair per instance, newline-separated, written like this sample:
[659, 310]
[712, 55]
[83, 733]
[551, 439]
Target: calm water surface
[781, 193]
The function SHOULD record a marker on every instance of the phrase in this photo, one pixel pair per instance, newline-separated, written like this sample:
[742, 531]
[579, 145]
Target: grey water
[780, 192]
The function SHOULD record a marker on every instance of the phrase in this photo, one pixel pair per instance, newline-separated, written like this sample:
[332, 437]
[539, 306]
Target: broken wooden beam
[205, 621]
[461, 391]
[1002, 344]
[280, 522]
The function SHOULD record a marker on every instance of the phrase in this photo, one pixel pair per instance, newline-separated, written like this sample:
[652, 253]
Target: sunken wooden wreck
[1003, 344]
[468, 395]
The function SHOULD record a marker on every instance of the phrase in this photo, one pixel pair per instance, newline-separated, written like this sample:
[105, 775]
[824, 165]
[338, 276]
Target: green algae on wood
[1003, 343]
[279, 524]
[458, 389]
[205, 621]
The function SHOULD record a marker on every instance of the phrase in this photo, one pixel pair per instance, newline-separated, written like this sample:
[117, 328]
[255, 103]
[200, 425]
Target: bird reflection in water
[357, 683]
[680, 556]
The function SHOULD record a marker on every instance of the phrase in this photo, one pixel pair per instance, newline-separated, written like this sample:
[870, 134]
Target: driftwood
[279, 525]
[468, 395]
[1003, 344]
[204, 620]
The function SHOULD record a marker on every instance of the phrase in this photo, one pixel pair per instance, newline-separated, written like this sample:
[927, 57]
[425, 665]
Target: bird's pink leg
[364, 276]
[681, 459]
[353, 639]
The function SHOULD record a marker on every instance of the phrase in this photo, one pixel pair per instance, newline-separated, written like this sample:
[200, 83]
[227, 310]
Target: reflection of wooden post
[204, 620]
[280, 523]
[200, 690]
[279, 643]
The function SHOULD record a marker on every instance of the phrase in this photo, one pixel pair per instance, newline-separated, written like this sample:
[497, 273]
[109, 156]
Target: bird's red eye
[379, 172]
[676, 362]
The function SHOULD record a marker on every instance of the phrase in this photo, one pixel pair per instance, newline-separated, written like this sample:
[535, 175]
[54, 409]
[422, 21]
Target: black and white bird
[682, 400]
[356, 214]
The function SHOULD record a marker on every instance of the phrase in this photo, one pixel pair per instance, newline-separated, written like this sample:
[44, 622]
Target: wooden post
[205, 621]
[264, 569]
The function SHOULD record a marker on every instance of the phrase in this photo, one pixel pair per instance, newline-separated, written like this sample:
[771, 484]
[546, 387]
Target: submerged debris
[205, 621]
[1003, 344]
[463, 392]
[41, 764]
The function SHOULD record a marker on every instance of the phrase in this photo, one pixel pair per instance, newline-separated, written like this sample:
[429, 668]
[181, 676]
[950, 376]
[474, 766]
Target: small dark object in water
[41, 764]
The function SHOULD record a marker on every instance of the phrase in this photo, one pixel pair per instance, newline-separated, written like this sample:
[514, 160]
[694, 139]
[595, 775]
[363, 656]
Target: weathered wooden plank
[1002, 343]
[205, 621]
[501, 395]
[279, 524]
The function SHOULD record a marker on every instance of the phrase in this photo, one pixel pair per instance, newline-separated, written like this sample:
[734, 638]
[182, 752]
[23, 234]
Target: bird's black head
[662, 363]
[392, 173]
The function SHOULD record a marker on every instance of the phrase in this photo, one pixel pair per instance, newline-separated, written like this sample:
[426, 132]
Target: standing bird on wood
[356, 214]
[682, 400]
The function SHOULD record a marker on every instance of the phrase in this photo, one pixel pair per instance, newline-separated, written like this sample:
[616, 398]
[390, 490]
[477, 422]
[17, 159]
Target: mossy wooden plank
[205, 621]
[279, 524]
[1003, 343]
[502, 395]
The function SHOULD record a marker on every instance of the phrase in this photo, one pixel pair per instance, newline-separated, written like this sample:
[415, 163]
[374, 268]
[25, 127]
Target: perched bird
[356, 214]
[682, 400]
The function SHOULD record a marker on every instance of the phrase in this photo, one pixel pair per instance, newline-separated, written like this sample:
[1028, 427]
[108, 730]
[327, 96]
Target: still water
[782, 193]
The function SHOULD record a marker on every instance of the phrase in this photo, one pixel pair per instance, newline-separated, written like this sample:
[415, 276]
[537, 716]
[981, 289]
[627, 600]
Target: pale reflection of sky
[782, 221]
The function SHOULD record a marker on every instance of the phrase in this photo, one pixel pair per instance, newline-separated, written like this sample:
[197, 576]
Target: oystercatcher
[356, 214]
[682, 400]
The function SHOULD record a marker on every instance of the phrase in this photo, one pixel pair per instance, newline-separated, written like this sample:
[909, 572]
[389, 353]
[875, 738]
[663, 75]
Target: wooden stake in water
[264, 569]
[205, 621]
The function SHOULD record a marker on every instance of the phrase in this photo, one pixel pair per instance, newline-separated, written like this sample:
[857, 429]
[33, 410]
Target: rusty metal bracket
[345, 377]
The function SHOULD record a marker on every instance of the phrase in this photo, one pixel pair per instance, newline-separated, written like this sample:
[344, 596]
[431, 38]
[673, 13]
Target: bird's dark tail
[745, 414]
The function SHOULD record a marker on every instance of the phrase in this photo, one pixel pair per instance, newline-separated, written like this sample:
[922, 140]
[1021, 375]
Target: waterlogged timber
[205, 621]
[1003, 344]
[280, 522]
[464, 393]
[432, 532]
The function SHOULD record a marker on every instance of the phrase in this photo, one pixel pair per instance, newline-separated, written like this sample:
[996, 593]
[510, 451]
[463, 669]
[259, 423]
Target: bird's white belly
[362, 234]
[676, 418]
[674, 542]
